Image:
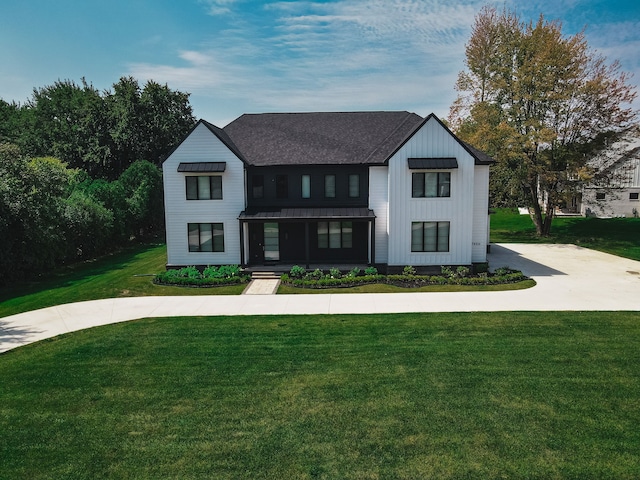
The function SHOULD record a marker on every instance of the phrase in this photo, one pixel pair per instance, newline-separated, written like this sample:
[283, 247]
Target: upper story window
[330, 186]
[600, 196]
[430, 184]
[282, 186]
[257, 183]
[354, 185]
[204, 187]
[306, 186]
[633, 196]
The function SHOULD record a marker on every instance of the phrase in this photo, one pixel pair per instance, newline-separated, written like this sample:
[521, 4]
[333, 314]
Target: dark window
[330, 186]
[430, 184]
[600, 195]
[204, 188]
[430, 236]
[354, 185]
[282, 186]
[206, 237]
[633, 196]
[258, 186]
[335, 234]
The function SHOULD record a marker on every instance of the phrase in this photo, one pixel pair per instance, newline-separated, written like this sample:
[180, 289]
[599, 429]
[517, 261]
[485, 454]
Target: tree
[146, 123]
[536, 100]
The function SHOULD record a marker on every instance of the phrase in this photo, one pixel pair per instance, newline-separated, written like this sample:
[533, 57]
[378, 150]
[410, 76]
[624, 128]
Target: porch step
[265, 275]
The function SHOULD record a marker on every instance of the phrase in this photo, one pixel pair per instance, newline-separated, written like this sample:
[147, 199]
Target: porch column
[372, 225]
[242, 257]
[306, 243]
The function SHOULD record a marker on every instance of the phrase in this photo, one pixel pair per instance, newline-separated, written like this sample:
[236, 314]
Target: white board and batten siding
[480, 214]
[379, 203]
[433, 141]
[202, 146]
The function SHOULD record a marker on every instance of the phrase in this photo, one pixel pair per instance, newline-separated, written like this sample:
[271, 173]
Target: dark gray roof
[309, 213]
[202, 167]
[432, 163]
[345, 138]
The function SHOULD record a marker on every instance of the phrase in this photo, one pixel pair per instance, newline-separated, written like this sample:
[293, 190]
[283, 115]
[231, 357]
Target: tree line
[80, 170]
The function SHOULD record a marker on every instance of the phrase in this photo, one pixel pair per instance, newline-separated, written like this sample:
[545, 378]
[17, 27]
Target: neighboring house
[382, 188]
[619, 165]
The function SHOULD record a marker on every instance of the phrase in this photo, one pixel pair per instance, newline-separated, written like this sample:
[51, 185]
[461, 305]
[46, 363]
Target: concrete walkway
[568, 277]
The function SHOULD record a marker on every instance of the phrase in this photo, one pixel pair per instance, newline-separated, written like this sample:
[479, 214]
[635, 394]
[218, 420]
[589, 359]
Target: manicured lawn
[126, 274]
[483, 395]
[619, 236]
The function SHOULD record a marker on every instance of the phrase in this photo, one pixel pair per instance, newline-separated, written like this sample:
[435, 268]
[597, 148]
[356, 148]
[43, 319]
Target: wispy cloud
[315, 55]
[345, 54]
[218, 7]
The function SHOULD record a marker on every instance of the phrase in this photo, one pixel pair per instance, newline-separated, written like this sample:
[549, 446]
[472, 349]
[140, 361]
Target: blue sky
[244, 56]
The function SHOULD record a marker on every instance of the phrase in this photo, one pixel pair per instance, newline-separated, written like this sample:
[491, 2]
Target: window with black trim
[354, 185]
[330, 186]
[206, 237]
[204, 187]
[430, 236]
[282, 186]
[600, 196]
[257, 184]
[430, 184]
[335, 234]
[633, 196]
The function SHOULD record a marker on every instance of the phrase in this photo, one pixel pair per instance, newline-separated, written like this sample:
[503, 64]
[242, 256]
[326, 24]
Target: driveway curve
[568, 278]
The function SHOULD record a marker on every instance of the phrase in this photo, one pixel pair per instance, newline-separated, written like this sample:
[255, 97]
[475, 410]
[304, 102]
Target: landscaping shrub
[210, 276]
[461, 276]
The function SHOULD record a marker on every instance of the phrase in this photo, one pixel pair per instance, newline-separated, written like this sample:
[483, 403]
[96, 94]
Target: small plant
[353, 273]
[297, 272]
[502, 271]
[447, 271]
[210, 272]
[408, 270]
[334, 273]
[462, 271]
[371, 271]
[317, 274]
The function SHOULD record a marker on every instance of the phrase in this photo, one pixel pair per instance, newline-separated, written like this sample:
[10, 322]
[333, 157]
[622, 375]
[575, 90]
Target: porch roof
[331, 213]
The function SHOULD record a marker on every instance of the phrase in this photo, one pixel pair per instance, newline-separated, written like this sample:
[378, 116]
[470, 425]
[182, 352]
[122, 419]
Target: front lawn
[619, 236]
[482, 395]
[125, 274]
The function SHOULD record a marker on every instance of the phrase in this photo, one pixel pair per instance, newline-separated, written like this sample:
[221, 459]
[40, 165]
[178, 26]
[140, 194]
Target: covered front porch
[307, 236]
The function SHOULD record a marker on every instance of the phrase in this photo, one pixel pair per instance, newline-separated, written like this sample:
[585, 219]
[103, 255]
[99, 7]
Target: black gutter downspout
[373, 241]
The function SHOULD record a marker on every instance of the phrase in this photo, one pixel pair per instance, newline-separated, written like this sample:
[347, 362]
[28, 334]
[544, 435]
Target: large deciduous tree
[535, 99]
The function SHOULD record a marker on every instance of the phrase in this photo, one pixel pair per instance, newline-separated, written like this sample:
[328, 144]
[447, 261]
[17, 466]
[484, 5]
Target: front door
[264, 243]
[271, 242]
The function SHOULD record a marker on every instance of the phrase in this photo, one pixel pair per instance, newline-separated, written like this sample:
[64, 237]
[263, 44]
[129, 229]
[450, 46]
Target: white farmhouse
[383, 188]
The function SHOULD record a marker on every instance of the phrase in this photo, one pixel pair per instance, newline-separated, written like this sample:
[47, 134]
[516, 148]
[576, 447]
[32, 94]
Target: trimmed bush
[461, 276]
[210, 276]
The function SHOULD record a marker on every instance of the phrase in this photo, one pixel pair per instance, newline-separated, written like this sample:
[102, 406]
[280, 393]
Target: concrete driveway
[568, 278]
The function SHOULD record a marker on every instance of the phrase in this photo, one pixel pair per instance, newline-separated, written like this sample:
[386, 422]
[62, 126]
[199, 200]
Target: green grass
[482, 395]
[384, 288]
[619, 236]
[126, 274]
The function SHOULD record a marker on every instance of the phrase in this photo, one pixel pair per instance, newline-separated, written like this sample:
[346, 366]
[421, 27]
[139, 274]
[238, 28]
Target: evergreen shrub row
[299, 277]
[211, 276]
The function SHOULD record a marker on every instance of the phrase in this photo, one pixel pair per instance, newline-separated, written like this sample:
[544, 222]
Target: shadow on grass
[71, 275]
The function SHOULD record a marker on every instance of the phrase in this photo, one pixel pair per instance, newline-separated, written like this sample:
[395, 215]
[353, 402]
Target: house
[617, 192]
[383, 188]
